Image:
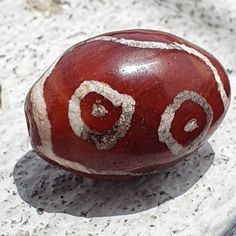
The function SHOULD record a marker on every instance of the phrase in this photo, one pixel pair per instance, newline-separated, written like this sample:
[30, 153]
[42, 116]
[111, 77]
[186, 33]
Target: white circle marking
[108, 139]
[167, 118]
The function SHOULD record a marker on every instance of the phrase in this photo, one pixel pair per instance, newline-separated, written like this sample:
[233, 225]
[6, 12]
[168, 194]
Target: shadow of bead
[48, 188]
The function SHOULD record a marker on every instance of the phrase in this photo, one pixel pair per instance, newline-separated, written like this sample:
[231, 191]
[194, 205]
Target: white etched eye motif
[164, 130]
[107, 139]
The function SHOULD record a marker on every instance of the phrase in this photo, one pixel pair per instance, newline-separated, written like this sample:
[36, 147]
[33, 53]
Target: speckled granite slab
[195, 197]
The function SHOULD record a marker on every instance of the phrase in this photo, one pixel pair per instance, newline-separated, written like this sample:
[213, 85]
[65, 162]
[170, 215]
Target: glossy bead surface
[126, 103]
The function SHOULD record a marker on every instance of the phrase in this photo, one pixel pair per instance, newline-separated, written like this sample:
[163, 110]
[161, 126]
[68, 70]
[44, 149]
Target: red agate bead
[126, 103]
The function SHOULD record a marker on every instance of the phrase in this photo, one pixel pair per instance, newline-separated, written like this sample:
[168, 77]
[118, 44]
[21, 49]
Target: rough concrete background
[196, 197]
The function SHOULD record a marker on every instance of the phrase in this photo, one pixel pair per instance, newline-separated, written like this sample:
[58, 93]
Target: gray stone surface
[196, 197]
[232, 231]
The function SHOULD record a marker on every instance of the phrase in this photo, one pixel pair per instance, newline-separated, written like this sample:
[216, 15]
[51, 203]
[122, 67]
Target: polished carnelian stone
[126, 103]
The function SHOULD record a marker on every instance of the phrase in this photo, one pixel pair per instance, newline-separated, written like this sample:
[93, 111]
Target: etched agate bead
[126, 103]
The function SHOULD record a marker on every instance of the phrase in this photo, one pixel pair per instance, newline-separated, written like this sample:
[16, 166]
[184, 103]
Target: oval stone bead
[126, 103]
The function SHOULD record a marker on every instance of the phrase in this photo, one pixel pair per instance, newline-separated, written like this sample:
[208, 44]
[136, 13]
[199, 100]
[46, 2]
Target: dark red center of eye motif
[188, 111]
[98, 113]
